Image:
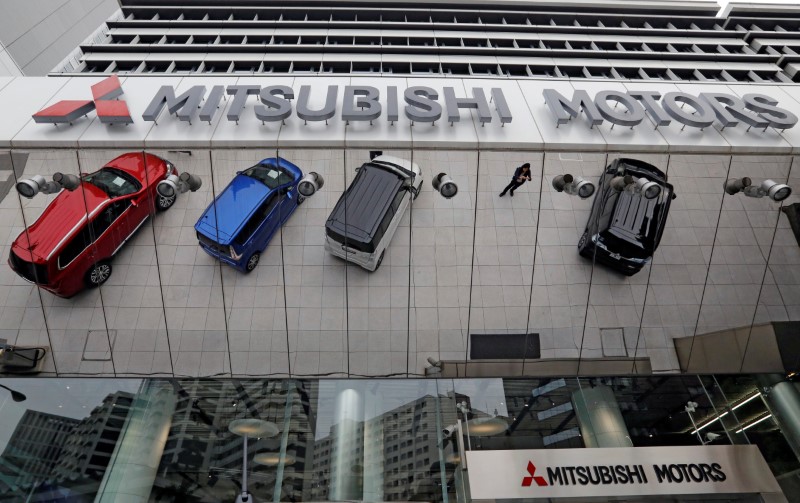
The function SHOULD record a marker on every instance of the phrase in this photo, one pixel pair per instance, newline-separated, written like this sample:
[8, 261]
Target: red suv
[65, 250]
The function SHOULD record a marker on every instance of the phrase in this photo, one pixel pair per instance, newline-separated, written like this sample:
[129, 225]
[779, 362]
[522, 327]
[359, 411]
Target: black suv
[624, 227]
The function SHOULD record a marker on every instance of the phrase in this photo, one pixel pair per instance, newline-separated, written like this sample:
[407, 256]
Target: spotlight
[310, 183]
[650, 190]
[776, 191]
[29, 187]
[642, 186]
[770, 188]
[620, 183]
[444, 185]
[561, 181]
[736, 185]
[169, 186]
[573, 186]
[69, 182]
[174, 184]
[711, 436]
[191, 181]
[448, 431]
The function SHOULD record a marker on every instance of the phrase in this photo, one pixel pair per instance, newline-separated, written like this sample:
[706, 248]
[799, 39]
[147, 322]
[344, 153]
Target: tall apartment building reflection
[202, 458]
[46, 450]
[399, 448]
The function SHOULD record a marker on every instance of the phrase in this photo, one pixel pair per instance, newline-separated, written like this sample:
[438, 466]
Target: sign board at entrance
[636, 471]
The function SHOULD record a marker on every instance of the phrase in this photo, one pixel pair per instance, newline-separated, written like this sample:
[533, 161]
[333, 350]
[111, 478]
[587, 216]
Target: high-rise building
[35, 447]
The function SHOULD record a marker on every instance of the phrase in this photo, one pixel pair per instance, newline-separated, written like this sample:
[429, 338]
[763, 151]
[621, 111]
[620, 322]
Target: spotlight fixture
[29, 187]
[770, 188]
[69, 182]
[736, 185]
[310, 183]
[175, 184]
[573, 186]
[642, 186]
[444, 185]
[647, 188]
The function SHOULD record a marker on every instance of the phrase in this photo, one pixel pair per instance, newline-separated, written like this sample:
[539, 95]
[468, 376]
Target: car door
[111, 227]
[270, 214]
[288, 201]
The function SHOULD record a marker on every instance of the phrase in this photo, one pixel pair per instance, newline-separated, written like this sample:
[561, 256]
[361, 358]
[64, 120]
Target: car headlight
[171, 169]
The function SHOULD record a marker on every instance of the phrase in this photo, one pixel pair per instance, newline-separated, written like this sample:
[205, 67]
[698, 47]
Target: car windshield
[271, 176]
[113, 182]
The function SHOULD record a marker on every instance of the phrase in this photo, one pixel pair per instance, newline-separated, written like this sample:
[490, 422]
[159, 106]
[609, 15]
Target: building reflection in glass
[358, 440]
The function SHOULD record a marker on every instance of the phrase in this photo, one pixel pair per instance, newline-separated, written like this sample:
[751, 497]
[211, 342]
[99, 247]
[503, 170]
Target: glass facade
[367, 440]
[456, 274]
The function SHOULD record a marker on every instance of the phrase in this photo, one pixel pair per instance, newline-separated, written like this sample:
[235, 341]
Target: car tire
[582, 243]
[252, 262]
[98, 274]
[416, 193]
[380, 260]
[164, 203]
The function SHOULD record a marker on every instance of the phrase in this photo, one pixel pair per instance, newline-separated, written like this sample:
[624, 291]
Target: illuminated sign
[619, 471]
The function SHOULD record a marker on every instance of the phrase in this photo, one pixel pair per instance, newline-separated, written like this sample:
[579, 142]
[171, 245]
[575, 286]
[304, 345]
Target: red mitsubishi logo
[527, 481]
[109, 110]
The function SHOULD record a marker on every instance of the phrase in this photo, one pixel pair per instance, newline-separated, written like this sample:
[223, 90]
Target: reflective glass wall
[237, 273]
[157, 440]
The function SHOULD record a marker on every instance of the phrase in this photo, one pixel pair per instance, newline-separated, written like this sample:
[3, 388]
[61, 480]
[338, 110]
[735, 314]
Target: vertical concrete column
[599, 418]
[373, 447]
[133, 467]
[783, 401]
[345, 476]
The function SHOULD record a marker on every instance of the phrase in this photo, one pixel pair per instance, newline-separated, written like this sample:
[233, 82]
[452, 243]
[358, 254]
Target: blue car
[239, 224]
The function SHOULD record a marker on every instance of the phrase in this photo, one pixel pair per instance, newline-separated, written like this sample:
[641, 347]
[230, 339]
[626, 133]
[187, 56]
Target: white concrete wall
[38, 34]
[8, 67]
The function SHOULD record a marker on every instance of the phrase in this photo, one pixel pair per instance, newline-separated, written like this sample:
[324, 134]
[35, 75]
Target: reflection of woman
[521, 174]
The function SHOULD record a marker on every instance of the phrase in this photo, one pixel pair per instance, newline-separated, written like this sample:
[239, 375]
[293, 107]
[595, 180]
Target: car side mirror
[674, 195]
[238, 172]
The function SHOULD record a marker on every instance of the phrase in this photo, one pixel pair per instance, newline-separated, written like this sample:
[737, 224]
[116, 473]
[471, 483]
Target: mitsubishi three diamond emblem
[109, 109]
[530, 479]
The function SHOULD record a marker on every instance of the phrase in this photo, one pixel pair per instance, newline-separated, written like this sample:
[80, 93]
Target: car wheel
[98, 274]
[416, 193]
[252, 262]
[164, 203]
[380, 260]
[300, 200]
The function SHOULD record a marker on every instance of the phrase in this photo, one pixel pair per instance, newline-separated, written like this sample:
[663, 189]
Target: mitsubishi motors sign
[637, 471]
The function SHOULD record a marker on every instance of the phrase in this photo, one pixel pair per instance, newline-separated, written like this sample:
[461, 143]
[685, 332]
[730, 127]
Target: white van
[361, 226]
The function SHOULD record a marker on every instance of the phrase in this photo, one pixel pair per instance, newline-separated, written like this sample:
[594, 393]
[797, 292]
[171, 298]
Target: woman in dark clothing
[521, 174]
